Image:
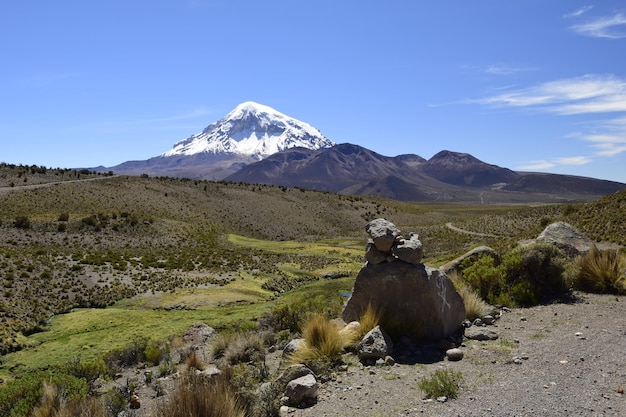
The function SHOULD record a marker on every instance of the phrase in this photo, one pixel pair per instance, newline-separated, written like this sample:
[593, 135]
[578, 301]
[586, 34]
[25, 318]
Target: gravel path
[570, 362]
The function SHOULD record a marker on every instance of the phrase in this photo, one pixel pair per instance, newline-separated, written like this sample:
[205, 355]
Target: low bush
[442, 383]
[600, 272]
[527, 276]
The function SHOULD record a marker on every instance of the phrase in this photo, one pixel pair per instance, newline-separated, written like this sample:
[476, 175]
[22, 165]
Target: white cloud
[611, 27]
[573, 160]
[578, 12]
[536, 165]
[586, 95]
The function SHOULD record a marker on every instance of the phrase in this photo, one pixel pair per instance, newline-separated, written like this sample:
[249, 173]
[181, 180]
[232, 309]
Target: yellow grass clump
[475, 306]
[601, 272]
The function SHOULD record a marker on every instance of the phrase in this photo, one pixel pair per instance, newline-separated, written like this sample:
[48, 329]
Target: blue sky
[524, 84]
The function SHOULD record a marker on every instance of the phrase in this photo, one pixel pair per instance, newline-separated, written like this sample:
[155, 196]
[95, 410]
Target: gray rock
[373, 255]
[199, 334]
[292, 372]
[293, 346]
[414, 300]
[301, 389]
[376, 344]
[383, 234]
[408, 250]
[489, 320]
[566, 237]
[480, 333]
[454, 354]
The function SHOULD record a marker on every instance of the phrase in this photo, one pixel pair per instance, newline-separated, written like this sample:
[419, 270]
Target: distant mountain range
[257, 144]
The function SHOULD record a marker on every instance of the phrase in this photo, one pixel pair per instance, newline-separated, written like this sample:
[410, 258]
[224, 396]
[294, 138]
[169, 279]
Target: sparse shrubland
[252, 255]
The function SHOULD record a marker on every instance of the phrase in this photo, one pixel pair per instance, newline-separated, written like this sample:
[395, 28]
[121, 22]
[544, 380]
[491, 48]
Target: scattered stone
[135, 404]
[480, 333]
[376, 344]
[292, 346]
[455, 354]
[442, 399]
[489, 320]
[301, 390]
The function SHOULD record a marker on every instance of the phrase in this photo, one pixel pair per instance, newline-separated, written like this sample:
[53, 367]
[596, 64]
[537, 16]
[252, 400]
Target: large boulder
[565, 237]
[413, 300]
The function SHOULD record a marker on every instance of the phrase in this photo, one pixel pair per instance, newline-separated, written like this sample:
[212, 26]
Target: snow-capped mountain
[252, 129]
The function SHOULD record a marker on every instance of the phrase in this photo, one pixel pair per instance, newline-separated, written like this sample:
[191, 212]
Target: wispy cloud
[553, 162]
[578, 12]
[611, 27]
[499, 68]
[586, 95]
[536, 165]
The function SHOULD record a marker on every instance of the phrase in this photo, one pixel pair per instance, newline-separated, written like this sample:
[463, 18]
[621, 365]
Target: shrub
[484, 276]
[22, 222]
[535, 274]
[442, 383]
[155, 352]
[601, 272]
[243, 348]
[132, 354]
[292, 316]
[527, 276]
[199, 396]
[19, 397]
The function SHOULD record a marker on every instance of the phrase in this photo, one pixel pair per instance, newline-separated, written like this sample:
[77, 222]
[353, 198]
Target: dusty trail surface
[555, 360]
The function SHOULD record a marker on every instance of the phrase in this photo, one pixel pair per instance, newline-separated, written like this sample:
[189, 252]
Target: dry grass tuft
[50, 403]
[199, 396]
[601, 272]
[475, 306]
[323, 341]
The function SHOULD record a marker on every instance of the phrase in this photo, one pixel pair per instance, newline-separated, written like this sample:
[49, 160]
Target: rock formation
[413, 299]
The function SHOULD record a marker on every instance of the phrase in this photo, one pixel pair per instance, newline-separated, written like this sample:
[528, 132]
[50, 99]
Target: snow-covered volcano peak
[252, 129]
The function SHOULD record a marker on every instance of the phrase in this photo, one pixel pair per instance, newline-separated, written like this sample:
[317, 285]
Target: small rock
[389, 361]
[442, 399]
[454, 354]
[134, 402]
[480, 333]
[489, 320]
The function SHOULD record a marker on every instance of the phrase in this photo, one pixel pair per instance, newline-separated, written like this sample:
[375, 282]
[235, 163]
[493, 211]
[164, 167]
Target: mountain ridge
[255, 143]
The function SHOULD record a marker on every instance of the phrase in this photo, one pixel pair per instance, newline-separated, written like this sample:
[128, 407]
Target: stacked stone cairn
[418, 305]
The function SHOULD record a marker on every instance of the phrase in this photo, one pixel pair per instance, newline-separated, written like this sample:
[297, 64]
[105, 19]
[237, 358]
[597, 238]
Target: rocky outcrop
[412, 299]
[565, 237]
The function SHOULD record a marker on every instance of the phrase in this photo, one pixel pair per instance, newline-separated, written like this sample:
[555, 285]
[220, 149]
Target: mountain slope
[465, 170]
